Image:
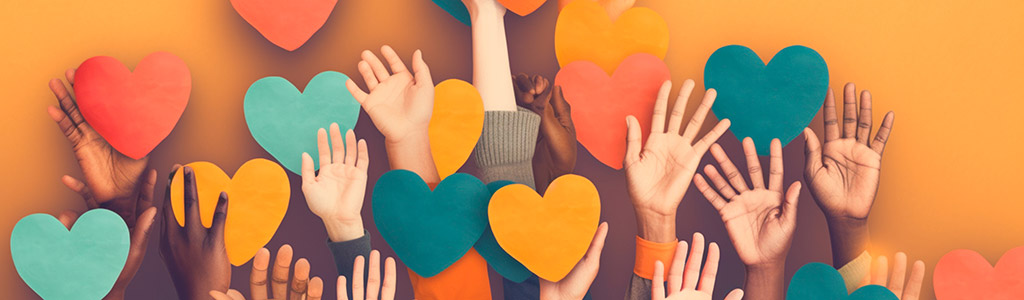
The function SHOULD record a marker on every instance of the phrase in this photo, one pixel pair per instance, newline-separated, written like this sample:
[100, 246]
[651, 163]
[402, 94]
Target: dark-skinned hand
[556, 142]
[195, 255]
[112, 181]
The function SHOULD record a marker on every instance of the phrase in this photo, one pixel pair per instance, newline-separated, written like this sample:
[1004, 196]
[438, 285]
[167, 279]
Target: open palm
[399, 102]
[337, 192]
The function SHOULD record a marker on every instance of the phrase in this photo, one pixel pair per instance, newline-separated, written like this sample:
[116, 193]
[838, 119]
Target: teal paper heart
[455, 8]
[284, 121]
[488, 247]
[429, 230]
[818, 281]
[82, 263]
[767, 102]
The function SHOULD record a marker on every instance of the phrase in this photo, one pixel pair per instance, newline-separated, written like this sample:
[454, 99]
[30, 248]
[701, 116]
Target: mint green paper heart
[429, 230]
[488, 247]
[82, 263]
[817, 281]
[764, 102]
[284, 121]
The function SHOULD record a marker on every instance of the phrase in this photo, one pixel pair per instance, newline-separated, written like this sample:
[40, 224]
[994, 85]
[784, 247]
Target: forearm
[656, 227]
[765, 282]
[413, 154]
[849, 239]
[492, 75]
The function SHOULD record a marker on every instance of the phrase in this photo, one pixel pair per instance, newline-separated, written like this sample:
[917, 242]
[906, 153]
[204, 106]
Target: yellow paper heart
[258, 197]
[585, 32]
[456, 124]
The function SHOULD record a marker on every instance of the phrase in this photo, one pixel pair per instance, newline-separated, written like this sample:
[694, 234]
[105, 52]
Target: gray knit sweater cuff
[506, 146]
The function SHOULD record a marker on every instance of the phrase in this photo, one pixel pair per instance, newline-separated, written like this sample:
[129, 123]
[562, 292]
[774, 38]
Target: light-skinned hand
[373, 288]
[659, 172]
[686, 281]
[195, 256]
[300, 286]
[903, 287]
[574, 286]
[336, 193]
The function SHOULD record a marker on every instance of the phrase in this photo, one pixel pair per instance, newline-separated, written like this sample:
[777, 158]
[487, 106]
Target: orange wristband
[465, 279]
[648, 252]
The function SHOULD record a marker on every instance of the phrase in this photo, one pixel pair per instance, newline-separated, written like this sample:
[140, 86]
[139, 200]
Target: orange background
[950, 69]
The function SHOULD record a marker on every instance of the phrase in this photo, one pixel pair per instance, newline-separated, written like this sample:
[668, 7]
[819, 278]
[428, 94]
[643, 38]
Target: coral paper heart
[456, 124]
[522, 7]
[817, 281]
[258, 197]
[965, 274]
[82, 263]
[548, 235]
[600, 103]
[133, 111]
[584, 32]
[286, 23]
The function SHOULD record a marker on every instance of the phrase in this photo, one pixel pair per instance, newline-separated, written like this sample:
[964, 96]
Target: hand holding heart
[195, 255]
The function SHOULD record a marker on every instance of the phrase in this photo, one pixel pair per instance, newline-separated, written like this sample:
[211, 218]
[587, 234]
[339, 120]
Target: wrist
[656, 227]
[486, 10]
[765, 280]
[849, 238]
[343, 230]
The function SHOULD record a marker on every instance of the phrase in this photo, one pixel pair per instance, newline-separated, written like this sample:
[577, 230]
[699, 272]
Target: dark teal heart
[764, 102]
[284, 121]
[455, 8]
[488, 247]
[428, 230]
[818, 281]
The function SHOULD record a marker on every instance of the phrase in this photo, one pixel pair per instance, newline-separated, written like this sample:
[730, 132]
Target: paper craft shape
[455, 8]
[133, 111]
[286, 23]
[258, 197]
[429, 230]
[548, 235]
[456, 124]
[284, 121]
[764, 102]
[965, 274]
[82, 263]
[522, 7]
[584, 32]
[488, 247]
[600, 103]
[816, 281]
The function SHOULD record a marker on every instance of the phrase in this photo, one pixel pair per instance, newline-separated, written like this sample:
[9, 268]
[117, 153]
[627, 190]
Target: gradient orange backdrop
[951, 70]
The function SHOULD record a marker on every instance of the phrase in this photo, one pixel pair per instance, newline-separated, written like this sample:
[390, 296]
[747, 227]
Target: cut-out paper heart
[258, 197]
[584, 32]
[82, 263]
[488, 247]
[133, 111]
[429, 230]
[286, 23]
[764, 102]
[455, 8]
[600, 103]
[548, 235]
[522, 7]
[456, 124]
[965, 274]
[816, 281]
[284, 121]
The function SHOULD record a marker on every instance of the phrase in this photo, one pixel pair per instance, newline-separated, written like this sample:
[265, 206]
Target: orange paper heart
[584, 32]
[456, 124]
[522, 7]
[258, 197]
[965, 274]
[548, 235]
[286, 23]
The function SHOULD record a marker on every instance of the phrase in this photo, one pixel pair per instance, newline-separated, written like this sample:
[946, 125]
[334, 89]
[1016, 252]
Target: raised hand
[843, 175]
[195, 256]
[336, 194]
[301, 287]
[658, 175]
[373, 283]
[556, 142]
[899, 284]
[684, 285]
[760, 220]
[575, 285]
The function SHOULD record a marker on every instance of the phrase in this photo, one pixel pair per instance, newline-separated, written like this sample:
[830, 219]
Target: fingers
[83, 190]
[878, 271]
[170, 223]
[357, 92]
[633, 143]
[65, 124]
[710, 272]
[220, 216]
[308, 173]
[692, 272]
[139, 240]
[378, 69]
[721, 185]
[830, 117]
[258, 275]
[367, 72]
[675, 272]
[373, 277]
[192, 221]
[675, 121]
[363, 156]
[849, 110]
[350, 147]
[323, 148]
[792, 198]
[67, 103]
[702, 145]
[658, 282]
[812, 150]
[899, 273]
[388, 290]
[524, 89]
[597, 244]
[660, 108]
[775, 166]
[420, 70]
[397, 66]
[878, 144]
[279, 276]
[316, 289]
[342, 288]
[357, 278]
[67, 218]
[338, 147]
[300, 279]
[218, 295]
[864, 120]
[710, 194]
[913, 288]
[146, 193]
[69, 74]
[698, 117]
[736, 294]
[731, 173]
[753, 163]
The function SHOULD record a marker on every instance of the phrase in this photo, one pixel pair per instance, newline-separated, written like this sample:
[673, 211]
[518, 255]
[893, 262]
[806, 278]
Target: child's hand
[301, 287]
[684, 285]
[336, 194]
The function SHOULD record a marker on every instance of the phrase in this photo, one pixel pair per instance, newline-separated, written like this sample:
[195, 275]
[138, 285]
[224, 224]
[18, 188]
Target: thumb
[789, 206]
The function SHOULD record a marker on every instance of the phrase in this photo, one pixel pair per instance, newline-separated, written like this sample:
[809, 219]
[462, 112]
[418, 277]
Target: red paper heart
[133, 111]
[965, 274]
[600, 103]
[286, 23]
